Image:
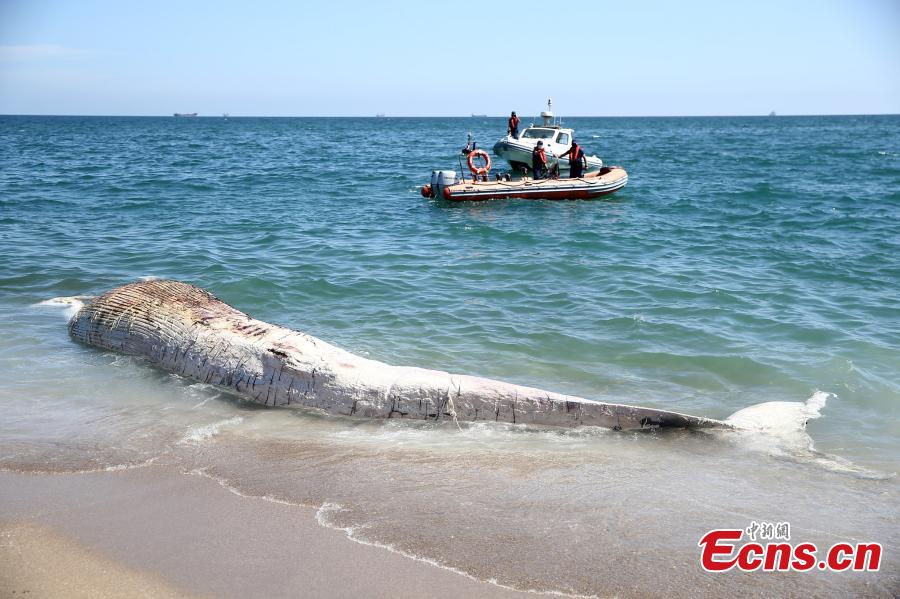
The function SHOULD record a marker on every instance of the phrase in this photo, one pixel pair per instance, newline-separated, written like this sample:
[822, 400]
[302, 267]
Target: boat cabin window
[563, 139]
[538, 133]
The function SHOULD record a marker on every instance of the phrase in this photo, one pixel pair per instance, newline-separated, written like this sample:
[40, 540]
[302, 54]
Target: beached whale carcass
[186, 330]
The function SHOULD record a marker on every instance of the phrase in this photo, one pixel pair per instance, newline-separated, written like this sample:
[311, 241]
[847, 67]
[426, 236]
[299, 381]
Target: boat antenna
[550, 110]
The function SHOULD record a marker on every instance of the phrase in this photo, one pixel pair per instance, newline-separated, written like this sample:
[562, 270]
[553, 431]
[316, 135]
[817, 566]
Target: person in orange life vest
[539, 160]
[513, 126]
[577, 160]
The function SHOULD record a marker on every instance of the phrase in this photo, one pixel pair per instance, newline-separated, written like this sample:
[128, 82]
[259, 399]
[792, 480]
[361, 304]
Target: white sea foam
[461, 436]
[351, 532]
[71, 304]
[110, 468]
[123, 467]
[235, 491]
[202, 403]
[195, 435]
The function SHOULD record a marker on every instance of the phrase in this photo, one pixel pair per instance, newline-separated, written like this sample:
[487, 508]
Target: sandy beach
[154, 532]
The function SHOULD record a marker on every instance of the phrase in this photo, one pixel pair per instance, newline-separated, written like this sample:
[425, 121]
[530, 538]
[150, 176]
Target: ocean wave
[196, 435]
[72, 304]
[352, 532]
[225, 484]
[109, 468]
[324, 517]
[454, 436]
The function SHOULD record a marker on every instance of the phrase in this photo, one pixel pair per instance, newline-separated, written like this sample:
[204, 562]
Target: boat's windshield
[538, 133]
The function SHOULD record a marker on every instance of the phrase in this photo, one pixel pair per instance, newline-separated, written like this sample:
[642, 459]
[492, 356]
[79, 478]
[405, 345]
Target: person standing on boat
[539, 160]
[577, 160]
[513, 126]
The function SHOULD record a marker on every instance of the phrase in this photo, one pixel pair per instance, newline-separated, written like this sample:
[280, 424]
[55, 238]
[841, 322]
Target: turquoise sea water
[748, 260]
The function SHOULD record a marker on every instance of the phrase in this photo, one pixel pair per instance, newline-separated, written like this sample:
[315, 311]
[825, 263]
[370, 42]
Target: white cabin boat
[557, 139]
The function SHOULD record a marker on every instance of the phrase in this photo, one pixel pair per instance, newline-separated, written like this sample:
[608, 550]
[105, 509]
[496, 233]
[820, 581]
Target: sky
[415, 58]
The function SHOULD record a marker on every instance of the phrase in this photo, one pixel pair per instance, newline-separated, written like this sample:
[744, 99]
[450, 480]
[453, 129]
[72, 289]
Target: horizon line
[402, 116]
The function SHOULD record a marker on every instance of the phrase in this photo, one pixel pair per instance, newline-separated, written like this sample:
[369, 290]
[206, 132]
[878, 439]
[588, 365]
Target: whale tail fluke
[780, 417]
[778, 429]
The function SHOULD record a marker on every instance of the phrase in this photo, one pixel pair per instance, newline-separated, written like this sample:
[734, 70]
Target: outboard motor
[440, 180]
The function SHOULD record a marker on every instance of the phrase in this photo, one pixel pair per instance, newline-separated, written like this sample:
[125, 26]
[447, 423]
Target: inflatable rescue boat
[447, 185]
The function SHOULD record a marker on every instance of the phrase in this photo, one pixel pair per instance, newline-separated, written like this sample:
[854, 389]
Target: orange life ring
[479, 170]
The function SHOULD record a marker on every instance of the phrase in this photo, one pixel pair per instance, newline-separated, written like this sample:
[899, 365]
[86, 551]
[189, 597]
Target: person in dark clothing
[513, 125]
[577, 160]
[539, 160]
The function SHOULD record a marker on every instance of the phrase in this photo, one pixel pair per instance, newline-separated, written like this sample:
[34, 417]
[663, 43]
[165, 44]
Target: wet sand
[37, 562]
[155, 532]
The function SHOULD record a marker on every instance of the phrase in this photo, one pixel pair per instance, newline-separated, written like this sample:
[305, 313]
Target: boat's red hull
[548, 195]
[595, 185]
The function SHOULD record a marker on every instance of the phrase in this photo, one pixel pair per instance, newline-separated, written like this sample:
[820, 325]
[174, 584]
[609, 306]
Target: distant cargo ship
[185, 114]
[479, 116]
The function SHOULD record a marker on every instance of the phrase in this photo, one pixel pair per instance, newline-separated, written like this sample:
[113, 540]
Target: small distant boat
[380, 115]
[772, 113]
[446, 185]
[479, 116]
[185, 114]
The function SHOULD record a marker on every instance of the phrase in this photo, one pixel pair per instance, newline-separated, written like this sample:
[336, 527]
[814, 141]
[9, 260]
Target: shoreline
[155, 531]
